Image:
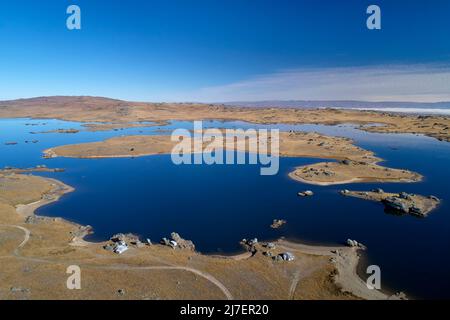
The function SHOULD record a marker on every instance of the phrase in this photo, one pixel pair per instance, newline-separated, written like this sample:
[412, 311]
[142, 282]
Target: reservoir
[216, 206]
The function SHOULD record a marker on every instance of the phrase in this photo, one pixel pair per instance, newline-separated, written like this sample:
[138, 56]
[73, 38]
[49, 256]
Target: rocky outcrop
[177, 242]
[403, 203]
[355, 244]
[126, 237]
[396, 204]
[307, 193]
[277, 223]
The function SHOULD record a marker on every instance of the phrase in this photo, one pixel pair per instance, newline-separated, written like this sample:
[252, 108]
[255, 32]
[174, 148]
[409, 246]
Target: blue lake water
[218, 205]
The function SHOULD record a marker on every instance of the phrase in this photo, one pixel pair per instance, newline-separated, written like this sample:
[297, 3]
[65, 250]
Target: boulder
[129, 237]
[404, 195]
[108, 247]
[417, 211]
[434, 198]
[182, 243]
[31, 219]
[277, 223]
[307, 193]
[346, 162]
[354, 243]
[396, 204]
[165, 241]
[270, 245]
[286, 256]
[120, 247]
[20, 289]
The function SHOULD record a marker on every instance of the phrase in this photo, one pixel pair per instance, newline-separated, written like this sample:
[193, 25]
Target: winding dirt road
[202, 274]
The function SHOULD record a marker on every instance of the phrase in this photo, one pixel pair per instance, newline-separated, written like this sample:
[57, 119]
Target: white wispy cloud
[411, 83]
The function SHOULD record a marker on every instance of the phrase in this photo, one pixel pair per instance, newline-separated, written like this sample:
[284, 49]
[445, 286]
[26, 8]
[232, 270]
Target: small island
[401, 203]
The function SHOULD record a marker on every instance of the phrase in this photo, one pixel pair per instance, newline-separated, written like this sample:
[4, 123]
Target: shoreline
[26, 210]
[319, 183]
[345, 259]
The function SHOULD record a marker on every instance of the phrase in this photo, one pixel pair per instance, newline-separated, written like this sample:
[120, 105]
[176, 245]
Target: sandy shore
[316, 273]
[293, 176]
[58, 190]
[346, 260]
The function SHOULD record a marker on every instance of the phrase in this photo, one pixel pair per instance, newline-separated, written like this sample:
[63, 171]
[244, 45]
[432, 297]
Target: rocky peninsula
[400, 203]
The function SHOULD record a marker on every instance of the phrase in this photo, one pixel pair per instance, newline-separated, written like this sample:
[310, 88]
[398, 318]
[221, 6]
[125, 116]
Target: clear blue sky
[224, 50]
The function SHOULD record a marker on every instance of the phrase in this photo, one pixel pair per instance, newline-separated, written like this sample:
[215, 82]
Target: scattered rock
[249, 244]
[307, 193]
[62, 131]
[182, 243]
[346, 162]
[396, 204]
[177, 241]
[165, 241]
[277, 223]
[433, 198]
[128, 237]
[269, 245]
[82, 231]
[378, 190]
[354, 243]
[109, 247]
[33, 219]
[398, 296]
[19, 289]
[120, 247]
[404, 195]
[137, 243]
[417, 211]
[285, 256]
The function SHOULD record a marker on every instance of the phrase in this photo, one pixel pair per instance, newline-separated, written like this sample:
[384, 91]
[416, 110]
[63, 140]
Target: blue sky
[226, 50]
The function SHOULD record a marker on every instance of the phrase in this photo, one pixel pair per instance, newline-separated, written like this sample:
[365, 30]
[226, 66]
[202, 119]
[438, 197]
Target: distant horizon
[292, 103]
